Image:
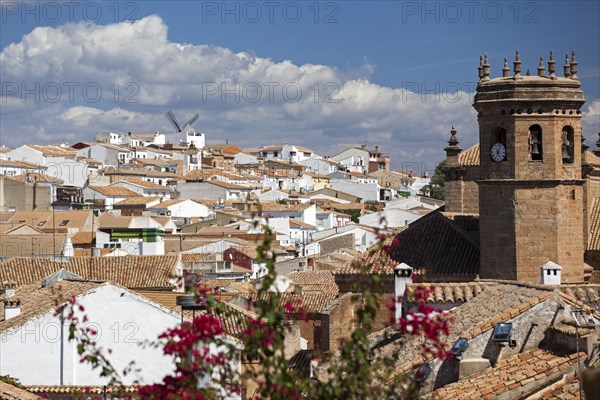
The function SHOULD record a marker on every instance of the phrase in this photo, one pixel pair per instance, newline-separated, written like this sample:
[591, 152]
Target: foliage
[435, 188]
[205, 357]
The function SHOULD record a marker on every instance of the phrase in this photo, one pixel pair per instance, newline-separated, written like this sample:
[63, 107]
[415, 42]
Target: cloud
[81, 78]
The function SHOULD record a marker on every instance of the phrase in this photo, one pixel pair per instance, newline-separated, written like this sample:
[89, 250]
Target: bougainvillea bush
[207, 360]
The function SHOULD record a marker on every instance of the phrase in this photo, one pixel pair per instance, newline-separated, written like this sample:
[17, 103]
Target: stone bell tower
[531, 186]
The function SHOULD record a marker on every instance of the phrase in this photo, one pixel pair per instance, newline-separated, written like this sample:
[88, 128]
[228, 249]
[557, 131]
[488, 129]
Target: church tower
[530, 187]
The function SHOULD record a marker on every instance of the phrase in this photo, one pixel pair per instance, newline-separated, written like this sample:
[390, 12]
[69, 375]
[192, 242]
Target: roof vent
[59, 275]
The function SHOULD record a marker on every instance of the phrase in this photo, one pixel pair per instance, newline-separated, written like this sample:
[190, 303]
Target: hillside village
[124, 223]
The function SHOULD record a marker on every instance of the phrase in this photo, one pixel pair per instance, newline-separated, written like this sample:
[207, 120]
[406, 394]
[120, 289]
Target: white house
[32, 335]
[181, 209]
[295, 154]
[60, 162]
[320, 166]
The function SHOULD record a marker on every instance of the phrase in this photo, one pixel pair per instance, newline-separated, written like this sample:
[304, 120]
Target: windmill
[178, 128]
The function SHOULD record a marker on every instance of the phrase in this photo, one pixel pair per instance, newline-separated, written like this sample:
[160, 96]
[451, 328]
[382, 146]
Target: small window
[21, 221]
[63, 222]
[534, 138]
[567, 145]
[42, 223]
[502, 332]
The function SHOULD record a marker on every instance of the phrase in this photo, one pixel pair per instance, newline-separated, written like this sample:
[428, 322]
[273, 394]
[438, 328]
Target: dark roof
[439, 245]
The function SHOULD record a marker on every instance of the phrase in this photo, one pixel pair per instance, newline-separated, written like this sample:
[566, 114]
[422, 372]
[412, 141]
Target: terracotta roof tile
[469, 157]
[594, 236]
[36, 301]
[114, 191]
[9, 392]
[509, 373]
[129, 271]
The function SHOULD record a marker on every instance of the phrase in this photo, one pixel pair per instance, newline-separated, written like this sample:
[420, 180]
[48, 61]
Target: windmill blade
[188, 125]
[171, 117]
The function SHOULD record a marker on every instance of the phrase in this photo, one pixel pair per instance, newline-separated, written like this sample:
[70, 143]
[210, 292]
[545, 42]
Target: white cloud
[125, 76]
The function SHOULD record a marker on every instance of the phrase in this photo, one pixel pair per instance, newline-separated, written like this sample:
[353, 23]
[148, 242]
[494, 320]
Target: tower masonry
[531, 195]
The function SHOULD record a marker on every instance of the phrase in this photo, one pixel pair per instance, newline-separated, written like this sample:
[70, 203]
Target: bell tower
[531, 186]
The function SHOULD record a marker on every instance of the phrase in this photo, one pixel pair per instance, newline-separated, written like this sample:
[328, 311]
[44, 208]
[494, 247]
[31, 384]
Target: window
[63, 222]
[534, 138]
[41, 223]
[502, 332]
[568, 145]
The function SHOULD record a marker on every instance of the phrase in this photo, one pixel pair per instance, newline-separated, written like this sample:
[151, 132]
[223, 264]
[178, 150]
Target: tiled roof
[193, 257]
[73, 218]
[9, 392]
[167, 203]
[469, 157]
[594, 236]
[449, 292]
[35, 176]
[36, 301]
[310, 302]
[145, 184]
[440, 246]
[586, 293]
[31, 245]
[497, 302]
[315, 281]
[78, 390]
[312, 278]
[373, 261]
[512, 373]
[138, 201]
[299, 224]
[53, 150]
[129, 271]
[565, 389]
[116, 191]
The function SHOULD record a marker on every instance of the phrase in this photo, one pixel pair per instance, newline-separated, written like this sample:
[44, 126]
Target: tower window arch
[567, 147]
[534, 139]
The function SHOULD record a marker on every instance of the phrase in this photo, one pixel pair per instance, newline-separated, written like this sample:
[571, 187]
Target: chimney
[363, 146]
[402, 276]
[12, 304]
[551, 273]
[10, 289]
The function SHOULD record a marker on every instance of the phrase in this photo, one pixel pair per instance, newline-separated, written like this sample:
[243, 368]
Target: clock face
[498, 152]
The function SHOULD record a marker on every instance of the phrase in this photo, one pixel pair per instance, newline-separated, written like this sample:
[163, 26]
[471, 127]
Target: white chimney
[12, 308]
[402, 276]
[551, 273]
[10, 289]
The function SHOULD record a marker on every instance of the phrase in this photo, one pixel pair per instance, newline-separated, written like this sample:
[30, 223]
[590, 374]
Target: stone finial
[541, 69]
[567, 66]
[453, 149]
[505, 69]
[453, 141]
[517, 66]
[480, 68]
[551, 66]
[573, 66]
[596, 150]
[486, 69]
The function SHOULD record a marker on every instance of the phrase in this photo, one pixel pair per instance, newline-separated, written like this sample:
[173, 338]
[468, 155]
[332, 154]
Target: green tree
[435, 188]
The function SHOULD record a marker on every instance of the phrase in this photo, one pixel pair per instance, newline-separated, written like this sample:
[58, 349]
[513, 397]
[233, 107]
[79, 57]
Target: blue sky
[373, 53]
